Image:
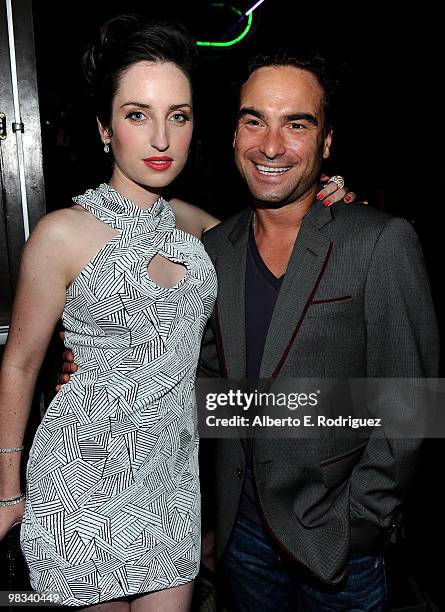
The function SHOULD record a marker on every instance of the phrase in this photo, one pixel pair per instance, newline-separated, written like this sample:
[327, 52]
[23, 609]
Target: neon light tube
[252, 8]
[228, 43]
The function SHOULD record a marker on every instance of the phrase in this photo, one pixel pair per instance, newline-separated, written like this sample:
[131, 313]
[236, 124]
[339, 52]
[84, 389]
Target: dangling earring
[106, 148]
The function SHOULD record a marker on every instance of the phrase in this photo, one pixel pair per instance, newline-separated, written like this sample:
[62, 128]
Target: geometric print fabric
[113, 503]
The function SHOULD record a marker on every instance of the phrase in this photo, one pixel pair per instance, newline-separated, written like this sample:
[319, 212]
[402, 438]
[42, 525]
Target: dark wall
[389, 126]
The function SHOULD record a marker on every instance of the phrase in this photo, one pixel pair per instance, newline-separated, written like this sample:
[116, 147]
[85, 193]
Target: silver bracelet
[12, 501]
[12, 450]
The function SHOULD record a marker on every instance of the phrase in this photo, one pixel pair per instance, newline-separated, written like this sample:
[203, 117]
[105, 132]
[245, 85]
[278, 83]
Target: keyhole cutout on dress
[164, 272]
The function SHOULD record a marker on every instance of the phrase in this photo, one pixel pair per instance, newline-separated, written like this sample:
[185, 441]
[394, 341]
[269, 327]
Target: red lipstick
[159, 163]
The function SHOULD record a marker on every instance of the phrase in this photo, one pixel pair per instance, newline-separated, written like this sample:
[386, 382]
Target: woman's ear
[105, 133]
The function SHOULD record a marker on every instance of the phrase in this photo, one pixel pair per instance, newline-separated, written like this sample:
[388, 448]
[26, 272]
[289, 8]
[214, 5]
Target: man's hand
[332, 193]
[68, 366]
[208, 550]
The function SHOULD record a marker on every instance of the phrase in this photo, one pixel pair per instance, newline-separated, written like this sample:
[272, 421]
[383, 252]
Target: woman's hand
[10, 516]
[332, 193]
[68, 366]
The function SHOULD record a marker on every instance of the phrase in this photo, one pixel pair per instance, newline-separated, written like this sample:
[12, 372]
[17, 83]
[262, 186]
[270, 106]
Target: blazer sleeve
[402, 342]
[209, 365]
[210, 360]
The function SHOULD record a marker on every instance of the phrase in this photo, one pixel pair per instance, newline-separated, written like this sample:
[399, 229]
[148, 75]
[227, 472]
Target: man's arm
[402, 342]
[209, 365]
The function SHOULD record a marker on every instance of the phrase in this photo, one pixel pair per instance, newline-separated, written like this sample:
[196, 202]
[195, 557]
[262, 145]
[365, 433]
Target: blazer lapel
[231, 271]
[307, 264]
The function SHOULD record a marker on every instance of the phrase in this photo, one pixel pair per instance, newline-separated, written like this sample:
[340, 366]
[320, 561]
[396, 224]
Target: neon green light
[228, 43]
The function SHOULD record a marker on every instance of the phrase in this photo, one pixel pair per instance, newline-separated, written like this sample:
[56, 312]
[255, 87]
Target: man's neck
[284, 220]
[276, 230]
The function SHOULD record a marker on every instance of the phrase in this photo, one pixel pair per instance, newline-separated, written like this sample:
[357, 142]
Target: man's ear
[234, 138]
[327, 144]
[105, 133]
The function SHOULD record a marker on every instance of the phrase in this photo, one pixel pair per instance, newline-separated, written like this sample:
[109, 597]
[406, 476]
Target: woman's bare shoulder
[54, 224]
[59, 228]
[191, 218]
[65, 220]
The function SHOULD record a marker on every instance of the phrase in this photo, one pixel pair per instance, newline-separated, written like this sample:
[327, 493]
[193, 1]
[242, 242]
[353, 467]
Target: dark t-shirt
[262, 289]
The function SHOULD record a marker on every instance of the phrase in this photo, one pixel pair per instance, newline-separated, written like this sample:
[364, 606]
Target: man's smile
[271, 170]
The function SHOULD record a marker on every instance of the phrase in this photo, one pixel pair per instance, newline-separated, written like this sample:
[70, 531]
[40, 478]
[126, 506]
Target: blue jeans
[259, 580]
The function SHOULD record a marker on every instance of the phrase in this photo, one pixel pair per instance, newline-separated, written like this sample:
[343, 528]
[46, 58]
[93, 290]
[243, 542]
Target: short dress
[112, 498]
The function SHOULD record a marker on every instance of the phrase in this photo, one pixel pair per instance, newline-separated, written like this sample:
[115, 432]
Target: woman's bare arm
[191, 218]
[196, 221]
[38, 304]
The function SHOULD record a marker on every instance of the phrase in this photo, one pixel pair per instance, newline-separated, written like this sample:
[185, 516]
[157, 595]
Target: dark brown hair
[126, 40]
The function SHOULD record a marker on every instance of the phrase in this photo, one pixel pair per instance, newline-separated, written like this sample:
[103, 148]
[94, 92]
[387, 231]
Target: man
[309, 291]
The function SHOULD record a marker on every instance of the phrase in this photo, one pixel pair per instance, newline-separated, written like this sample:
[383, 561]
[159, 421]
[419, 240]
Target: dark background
[388, 140]
[389, 130]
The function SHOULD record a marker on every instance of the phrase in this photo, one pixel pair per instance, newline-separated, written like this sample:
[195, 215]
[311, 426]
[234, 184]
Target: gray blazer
[355, 302]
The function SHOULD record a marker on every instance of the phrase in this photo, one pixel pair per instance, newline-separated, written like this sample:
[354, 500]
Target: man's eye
[136, 116]
[252, 122]
[297, 126]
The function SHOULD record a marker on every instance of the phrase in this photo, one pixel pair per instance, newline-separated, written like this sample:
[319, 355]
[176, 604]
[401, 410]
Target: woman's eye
[180, 118]
[136, 116]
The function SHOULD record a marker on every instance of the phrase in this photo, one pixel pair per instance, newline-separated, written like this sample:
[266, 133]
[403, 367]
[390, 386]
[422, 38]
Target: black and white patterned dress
[113, 504]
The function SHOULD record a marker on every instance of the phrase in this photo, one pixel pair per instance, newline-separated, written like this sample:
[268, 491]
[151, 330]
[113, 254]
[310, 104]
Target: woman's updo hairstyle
[126, 40]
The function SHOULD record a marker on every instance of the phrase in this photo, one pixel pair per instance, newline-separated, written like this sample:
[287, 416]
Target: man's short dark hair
[312, 62]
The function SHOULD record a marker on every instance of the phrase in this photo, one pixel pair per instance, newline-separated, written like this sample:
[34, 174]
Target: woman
[112, 502]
